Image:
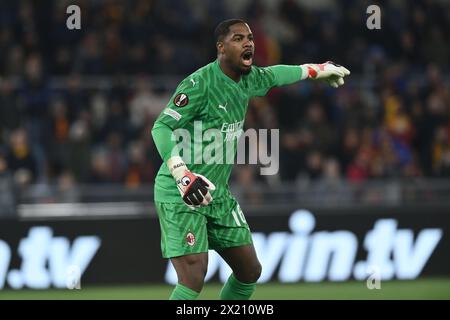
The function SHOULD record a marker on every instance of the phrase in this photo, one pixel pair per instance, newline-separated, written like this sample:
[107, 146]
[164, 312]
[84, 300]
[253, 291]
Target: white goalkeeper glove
[194, 188]
[329, 72]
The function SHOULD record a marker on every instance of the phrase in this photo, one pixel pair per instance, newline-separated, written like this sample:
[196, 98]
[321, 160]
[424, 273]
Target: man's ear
[220, 47]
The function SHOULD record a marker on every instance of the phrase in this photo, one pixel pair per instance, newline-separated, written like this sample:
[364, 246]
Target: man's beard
[242, 71]
[245, 72]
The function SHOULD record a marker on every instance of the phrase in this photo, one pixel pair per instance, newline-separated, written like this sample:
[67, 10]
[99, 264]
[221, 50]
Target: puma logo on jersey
[223, 107]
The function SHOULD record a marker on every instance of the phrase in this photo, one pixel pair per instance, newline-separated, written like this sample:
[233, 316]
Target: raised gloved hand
[194, 188]
[329, 72]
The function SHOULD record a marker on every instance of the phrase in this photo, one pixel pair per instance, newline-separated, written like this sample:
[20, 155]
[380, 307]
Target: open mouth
[247, 58]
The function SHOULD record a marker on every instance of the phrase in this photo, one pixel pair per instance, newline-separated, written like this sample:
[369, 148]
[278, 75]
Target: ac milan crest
[190, 239]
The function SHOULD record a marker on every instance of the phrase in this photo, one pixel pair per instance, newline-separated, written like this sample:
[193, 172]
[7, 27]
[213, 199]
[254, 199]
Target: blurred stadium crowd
[77, 106]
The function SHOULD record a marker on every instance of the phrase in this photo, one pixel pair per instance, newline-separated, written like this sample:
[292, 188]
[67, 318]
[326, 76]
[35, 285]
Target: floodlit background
[363, 189]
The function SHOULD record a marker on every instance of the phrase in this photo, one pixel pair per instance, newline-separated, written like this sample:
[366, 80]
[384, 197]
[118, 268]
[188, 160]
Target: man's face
[238, 48]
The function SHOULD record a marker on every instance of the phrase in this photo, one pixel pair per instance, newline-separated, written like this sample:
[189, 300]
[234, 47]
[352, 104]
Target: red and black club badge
[190, 239]
[181, 100]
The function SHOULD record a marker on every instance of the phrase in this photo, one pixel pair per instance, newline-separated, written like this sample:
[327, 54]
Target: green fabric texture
[285, 74]
[161, 135]
[181, 292]
[233, 289]
[218, 226]
[209, 99]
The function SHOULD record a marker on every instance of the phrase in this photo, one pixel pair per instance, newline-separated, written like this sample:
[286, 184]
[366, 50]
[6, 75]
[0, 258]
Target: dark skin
[235, 54]
[232, 47]
[191, 269]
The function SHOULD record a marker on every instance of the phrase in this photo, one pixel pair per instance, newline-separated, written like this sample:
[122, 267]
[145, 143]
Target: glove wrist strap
[177, 167]
[305, 71]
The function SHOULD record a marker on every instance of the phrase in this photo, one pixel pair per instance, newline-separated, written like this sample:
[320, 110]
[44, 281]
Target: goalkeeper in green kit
[195, 207]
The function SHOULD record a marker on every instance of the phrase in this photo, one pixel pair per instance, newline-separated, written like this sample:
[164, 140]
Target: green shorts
[217, 226]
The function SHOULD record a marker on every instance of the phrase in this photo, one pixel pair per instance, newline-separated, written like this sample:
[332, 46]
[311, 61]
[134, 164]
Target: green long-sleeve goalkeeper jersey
[209, 99]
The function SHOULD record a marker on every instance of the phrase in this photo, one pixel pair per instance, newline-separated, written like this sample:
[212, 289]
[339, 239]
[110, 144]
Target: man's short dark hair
[224, 27]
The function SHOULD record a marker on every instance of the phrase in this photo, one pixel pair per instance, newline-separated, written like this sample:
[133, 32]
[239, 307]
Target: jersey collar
[224, 76]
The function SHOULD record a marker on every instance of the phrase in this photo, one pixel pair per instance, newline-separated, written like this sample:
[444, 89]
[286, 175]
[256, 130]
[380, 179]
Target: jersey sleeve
[185, 105]
[261, 81]
[162, 136]
[265, 78]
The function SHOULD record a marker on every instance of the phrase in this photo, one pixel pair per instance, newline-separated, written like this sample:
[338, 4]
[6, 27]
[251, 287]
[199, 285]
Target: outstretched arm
[281, 75]
[330, 72]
